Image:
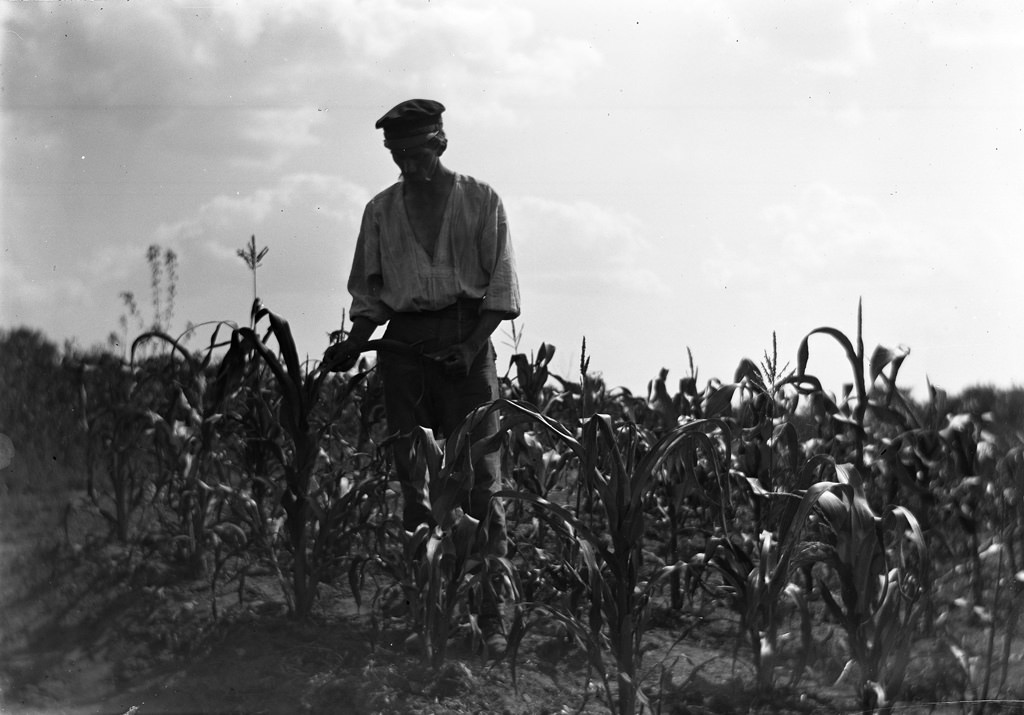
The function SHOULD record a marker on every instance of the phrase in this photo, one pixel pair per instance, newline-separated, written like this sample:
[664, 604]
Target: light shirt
[392, 272]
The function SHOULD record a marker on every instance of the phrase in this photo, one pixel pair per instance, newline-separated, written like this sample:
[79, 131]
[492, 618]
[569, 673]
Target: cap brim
[409, 142]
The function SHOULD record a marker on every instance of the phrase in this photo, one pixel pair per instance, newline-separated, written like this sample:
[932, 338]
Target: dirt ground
[97, 630]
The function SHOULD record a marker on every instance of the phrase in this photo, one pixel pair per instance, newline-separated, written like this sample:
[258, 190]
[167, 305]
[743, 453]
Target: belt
[461, 308]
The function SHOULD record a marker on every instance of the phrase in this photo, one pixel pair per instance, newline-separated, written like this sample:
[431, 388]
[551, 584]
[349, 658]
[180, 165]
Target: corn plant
[451, 566]
[622, 471]
[675, 497]
[758, 574]
[880, 567]
[535, 464]
[850, 414]
[37, 389]
[532, 376]
[686, 403]
[310, 490]
[253, 259]
[941, 463]
[999, 612]
[754, 546]
[297, 395]
[460, 565]
[446, 571]
[575, 401]
[349, 518]
[185, 438]
[114, 424]
[915, 465]
[1009, 617]
[1013, 462]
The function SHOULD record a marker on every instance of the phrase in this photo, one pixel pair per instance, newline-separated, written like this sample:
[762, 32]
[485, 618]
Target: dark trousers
[418, 393]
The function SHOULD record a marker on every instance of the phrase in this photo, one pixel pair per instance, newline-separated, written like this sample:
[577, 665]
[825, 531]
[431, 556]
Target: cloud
[488, 53]
[21, 292]
[242, 82]
[35, 295]
[986, 26]
[824, 38]
[843, 40]
[202, 125]
[309, 223]
[485, 55]
[582, 249]
[150, 80]
[669, 142]
[826, 238]
[828, 228]
[584, 270]
[283, 132]
[325, 204]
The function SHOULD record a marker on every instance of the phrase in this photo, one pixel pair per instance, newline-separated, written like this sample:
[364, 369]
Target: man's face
[416, 163]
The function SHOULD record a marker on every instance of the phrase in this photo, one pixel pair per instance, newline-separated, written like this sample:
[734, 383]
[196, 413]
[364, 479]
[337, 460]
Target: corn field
[834, 536]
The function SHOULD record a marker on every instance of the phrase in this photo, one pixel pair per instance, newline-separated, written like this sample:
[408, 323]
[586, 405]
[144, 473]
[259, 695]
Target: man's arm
[342, 357]
[362, 329]
[458, 358]
[485, 327]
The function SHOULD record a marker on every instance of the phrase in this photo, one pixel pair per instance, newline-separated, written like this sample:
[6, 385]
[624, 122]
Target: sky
[682, 178]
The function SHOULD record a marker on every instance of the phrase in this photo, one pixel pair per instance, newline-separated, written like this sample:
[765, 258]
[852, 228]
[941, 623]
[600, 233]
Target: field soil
[88, 627]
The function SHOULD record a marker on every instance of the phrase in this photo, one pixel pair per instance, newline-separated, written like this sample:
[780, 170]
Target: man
[434, 261]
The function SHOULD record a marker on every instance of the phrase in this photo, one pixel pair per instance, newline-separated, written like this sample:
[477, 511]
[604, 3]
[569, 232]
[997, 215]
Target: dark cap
[411, 123]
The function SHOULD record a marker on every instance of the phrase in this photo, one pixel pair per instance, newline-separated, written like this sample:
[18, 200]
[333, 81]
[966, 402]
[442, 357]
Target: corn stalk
[881, 565]
[452, 561]
[760, 579]
[115, 425]
[622, 472]
[298, 393]
[185, 435]
[865, 373]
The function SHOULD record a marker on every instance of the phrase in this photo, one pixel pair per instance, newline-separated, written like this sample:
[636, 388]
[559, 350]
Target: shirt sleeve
[365, 280]
[503, 287]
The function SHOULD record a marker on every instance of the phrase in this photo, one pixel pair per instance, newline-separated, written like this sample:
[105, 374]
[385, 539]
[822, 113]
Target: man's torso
[425, 206]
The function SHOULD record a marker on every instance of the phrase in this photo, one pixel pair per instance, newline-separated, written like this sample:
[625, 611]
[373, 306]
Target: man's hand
[457, 359]
[342, 357]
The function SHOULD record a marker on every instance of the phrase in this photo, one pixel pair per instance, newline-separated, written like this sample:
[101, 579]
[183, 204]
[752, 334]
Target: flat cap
[412, 122]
